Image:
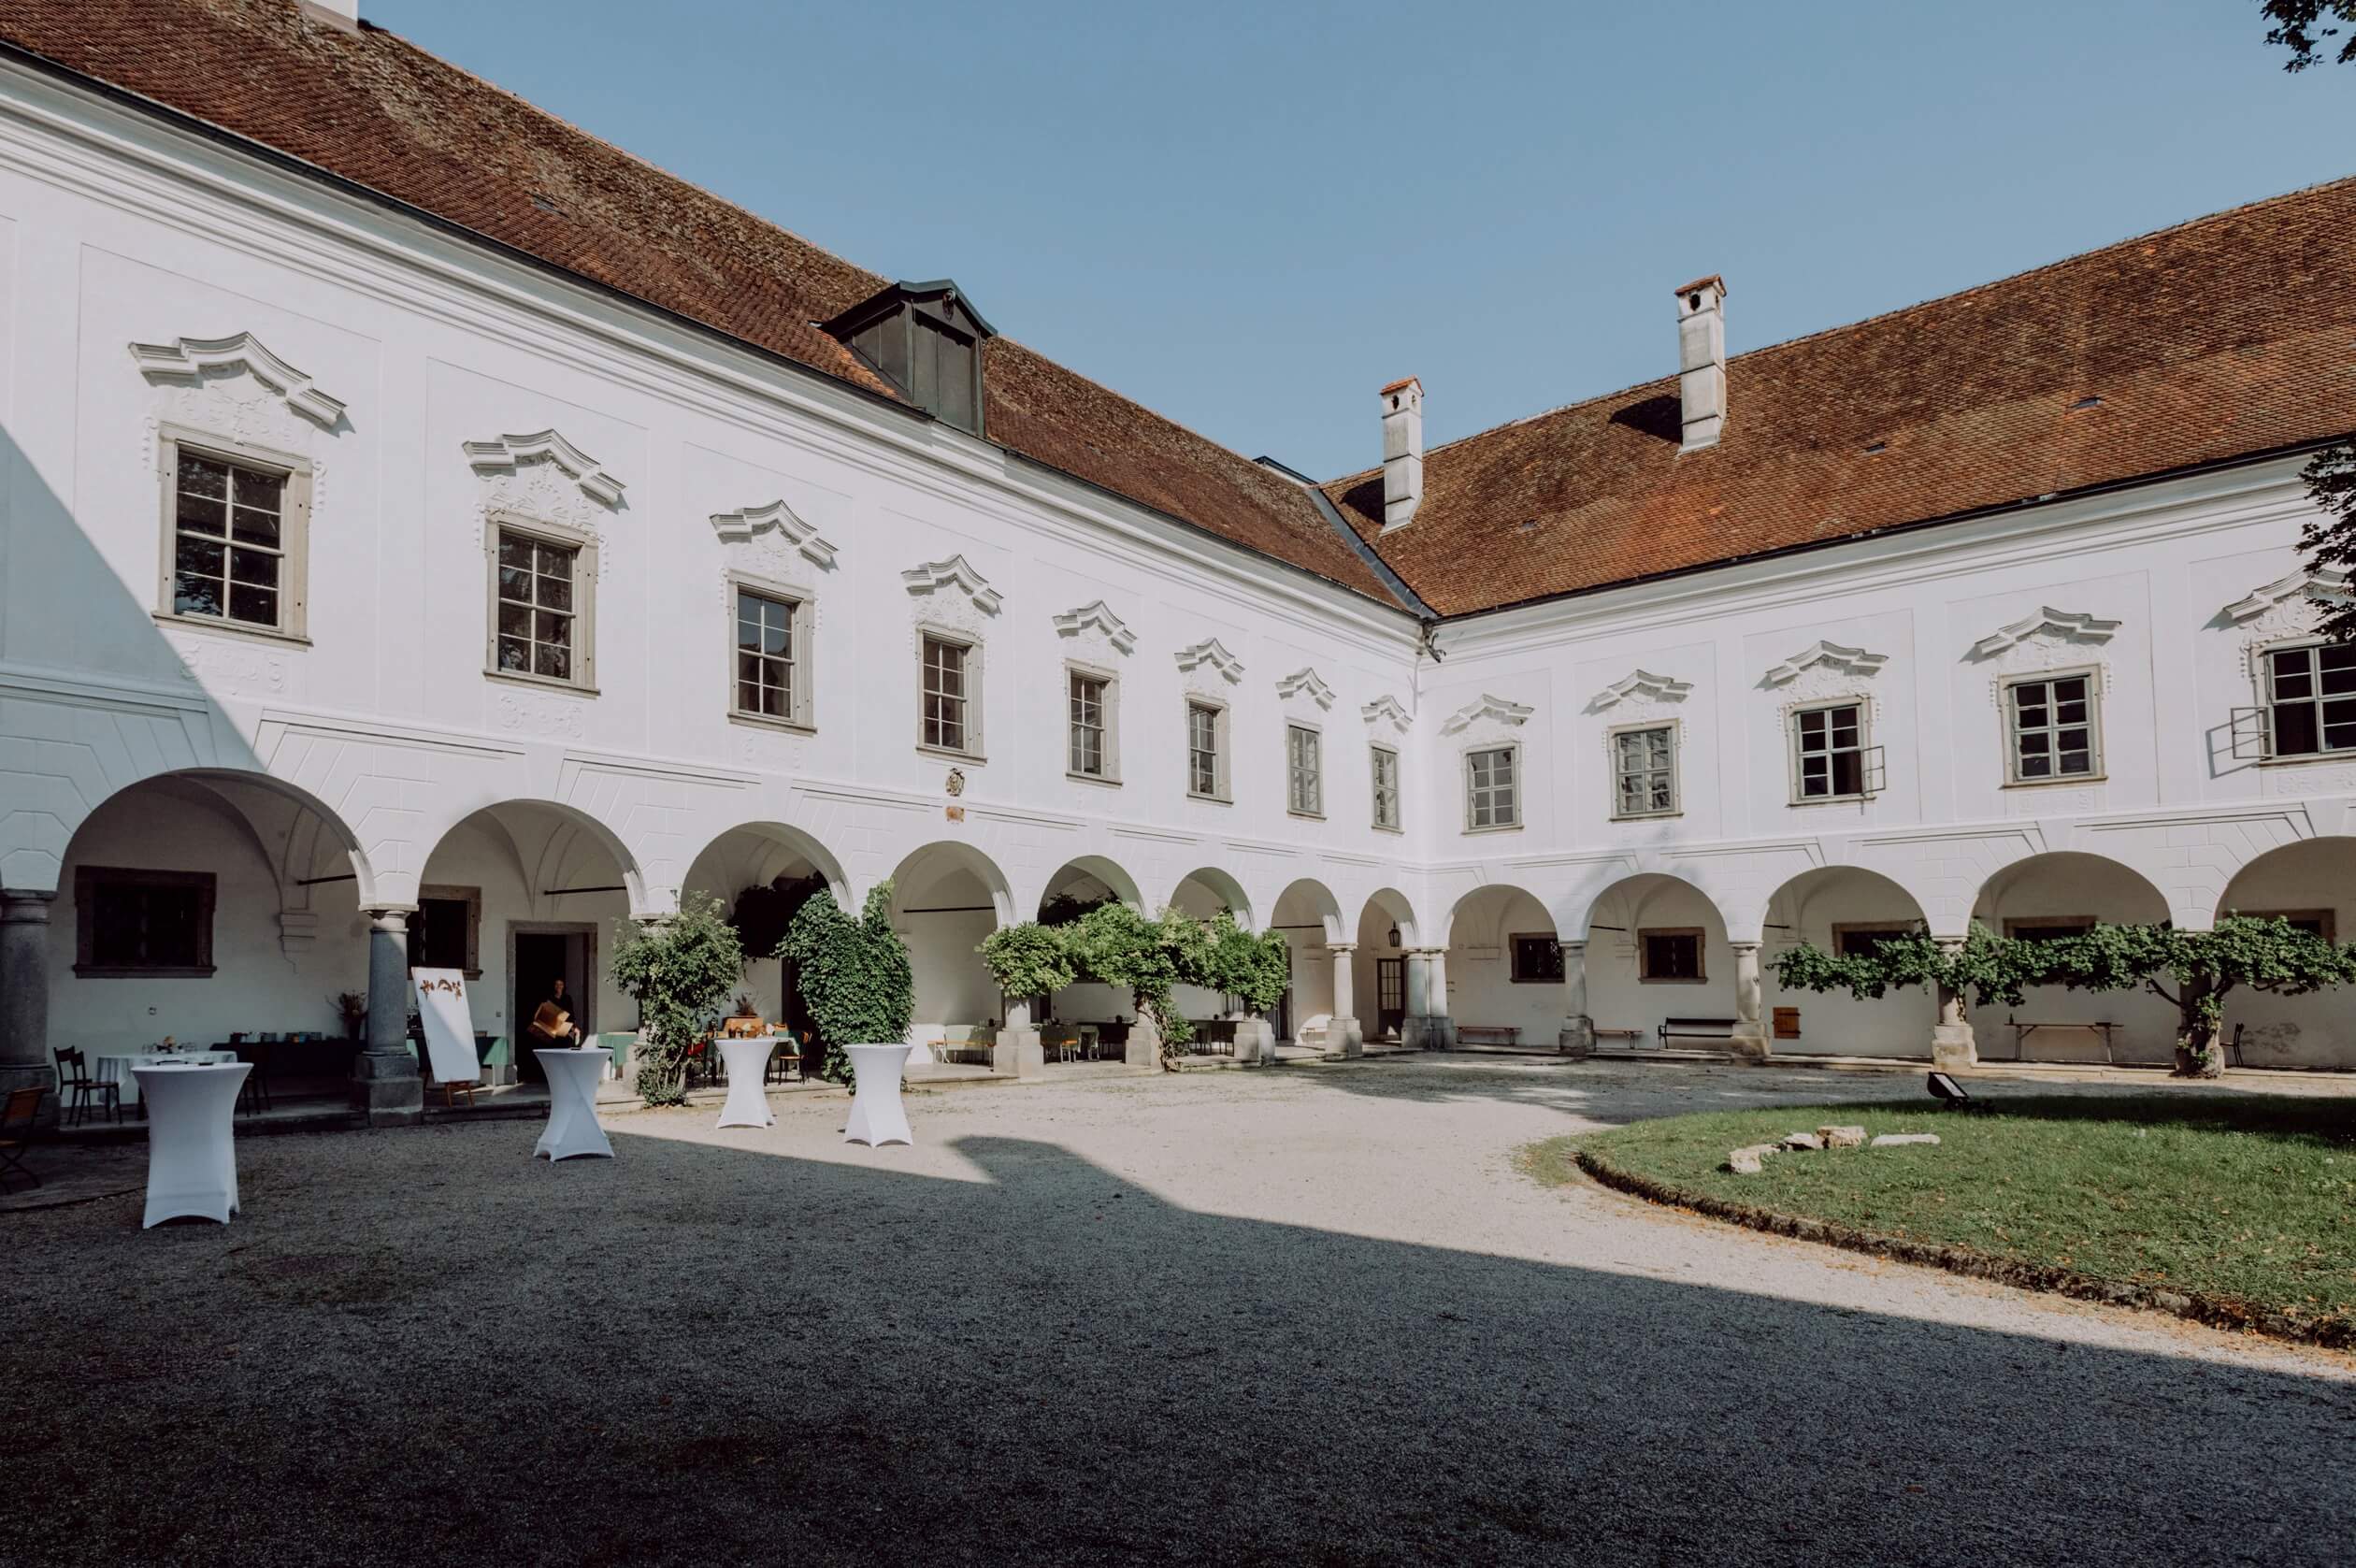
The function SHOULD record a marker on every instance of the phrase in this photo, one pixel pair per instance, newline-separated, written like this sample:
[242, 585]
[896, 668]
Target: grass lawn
[2248, 1201]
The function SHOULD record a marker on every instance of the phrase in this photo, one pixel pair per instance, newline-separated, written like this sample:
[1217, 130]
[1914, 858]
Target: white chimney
[1701, 360]
[1402, 452]
[336, 13]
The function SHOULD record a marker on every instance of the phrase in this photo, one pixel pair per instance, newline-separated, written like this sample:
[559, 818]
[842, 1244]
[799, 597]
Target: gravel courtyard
[1312, 1315]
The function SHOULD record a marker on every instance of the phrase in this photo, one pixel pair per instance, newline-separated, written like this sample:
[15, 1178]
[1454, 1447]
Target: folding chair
[20, 1114]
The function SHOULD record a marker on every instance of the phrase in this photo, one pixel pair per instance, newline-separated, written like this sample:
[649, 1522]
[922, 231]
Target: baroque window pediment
[192, 359]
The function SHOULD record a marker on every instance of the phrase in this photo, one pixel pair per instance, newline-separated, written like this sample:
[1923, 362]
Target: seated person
[553, 1027]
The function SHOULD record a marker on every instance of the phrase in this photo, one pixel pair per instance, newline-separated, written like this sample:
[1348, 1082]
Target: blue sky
[1251, 216]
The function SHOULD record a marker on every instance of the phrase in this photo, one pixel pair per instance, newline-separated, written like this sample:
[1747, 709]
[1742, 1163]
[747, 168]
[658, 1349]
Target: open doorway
[541, 954]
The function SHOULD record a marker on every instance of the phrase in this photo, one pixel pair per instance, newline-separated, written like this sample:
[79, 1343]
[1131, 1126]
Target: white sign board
[450, 1043]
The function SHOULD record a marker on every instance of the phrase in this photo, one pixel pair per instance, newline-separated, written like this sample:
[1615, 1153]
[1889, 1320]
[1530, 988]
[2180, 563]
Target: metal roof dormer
[926, 340]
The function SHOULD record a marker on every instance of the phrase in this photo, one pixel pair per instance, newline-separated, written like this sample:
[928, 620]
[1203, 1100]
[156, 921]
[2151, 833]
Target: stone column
[1952, 1041]
[1344, 1037]
[1017, 1052]
[1428, 1025]
[1145, 1043]
[1436, 997]
[25, 1061]
[385, 1082]
[1750, 1035]
[1577, 1036]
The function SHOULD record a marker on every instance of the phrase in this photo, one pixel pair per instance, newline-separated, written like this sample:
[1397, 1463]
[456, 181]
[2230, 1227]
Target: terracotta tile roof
[2223, 338]
[375, 110]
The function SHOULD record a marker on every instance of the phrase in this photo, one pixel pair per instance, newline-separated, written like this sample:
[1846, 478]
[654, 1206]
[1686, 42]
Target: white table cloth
[748, 1064]
[118, 1069]
[877, 1115]
[573, 1104]
[192, 1145]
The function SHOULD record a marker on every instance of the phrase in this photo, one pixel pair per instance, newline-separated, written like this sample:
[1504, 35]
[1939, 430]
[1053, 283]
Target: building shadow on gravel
[453, 1354]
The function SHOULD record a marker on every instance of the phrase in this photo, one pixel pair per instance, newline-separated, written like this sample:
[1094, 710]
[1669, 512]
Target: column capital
[390, 917]
[1739, 947]
[28, 906]
[1341, 946]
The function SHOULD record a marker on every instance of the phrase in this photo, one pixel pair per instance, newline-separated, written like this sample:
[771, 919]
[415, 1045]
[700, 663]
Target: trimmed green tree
[679, 971]
[854, 975]
[1029, 960]
[1115, 944]
[1255, 970]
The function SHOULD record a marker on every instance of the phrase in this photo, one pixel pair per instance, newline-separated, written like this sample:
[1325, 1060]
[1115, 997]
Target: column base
[1954, 1045]
[1433, 1032]
[387, 1089]
[1345, 1038]
[1576, 1037]
[1018, 1055]
[1750, 1043]
[1145, 1045]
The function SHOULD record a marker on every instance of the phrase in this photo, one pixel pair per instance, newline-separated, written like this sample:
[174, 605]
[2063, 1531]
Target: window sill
[1211, 799]
[1388, 827]
[950, 753]
[2058, 784]
[1107, 780]
[1499, 828]
[1673, 980]
[233, 628]
[545, 682]
[1831, 801]
[1305, 816]
[115, 972]
[2302, 759]
[765, 721]
[1646, 816]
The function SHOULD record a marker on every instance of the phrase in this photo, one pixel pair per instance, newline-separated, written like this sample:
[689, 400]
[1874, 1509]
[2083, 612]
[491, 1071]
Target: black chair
[20, 1116]
[79, 1090]
[254, 1095]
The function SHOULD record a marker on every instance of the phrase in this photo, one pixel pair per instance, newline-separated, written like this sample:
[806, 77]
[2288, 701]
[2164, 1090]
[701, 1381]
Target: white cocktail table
[192, 1146]
[573, 1104]
[748, 1064]
[877, 1115]
[116, 1069]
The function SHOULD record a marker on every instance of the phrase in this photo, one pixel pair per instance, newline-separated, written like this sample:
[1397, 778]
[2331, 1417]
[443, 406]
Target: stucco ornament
[1387, 710]
[955, 783]
[1486, 717]
[197, 360]
[953, 595]
[1303, 689]
[1843, 664]
[237, 391]
[2048, 630]
[769, 539]
[1207, 663]
[546, 714]
[545, 477]
[1093, 631]
[227, 667]
[1641, 695]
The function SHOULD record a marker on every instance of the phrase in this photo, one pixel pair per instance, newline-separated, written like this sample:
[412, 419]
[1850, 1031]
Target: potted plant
[678, 970]
[353, 1008]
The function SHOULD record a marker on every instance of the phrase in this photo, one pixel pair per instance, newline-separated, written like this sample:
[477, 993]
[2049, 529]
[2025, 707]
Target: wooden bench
[2083, 1034]
[1487, 1034]
[1633, 1037]
[1697, 1028]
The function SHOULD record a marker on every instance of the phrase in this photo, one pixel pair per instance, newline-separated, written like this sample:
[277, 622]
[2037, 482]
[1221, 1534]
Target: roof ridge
[2198, 220]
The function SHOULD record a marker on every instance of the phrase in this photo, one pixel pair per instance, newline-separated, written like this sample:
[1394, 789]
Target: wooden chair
[78, 1090]
[788, 1054]
[20, 1116]
[2233, 1046]
[254, 1094]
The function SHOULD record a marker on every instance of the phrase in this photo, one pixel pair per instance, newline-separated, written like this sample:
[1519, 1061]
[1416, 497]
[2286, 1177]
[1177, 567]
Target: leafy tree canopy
[679, 971]
[2307, 27]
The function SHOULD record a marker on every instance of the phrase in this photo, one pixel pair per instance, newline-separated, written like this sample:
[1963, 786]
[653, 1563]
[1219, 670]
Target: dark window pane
[514, 654]
[554, 560]
[1848, 773]
[552, 661]
[202, 517]
[258, 489]
[2295, 729]
[552, 629]
[257, 527]
[514, 554]
[259, 606]
[514, 621]
[556, 593]
[202, 476]
[198, 558]
[256, 567]
[515, 584]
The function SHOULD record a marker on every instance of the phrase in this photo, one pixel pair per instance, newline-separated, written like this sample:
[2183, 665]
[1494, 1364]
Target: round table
[573, 1104]
[748, 1065]
[877, 1115]
[192, 1142]
[118, 1069]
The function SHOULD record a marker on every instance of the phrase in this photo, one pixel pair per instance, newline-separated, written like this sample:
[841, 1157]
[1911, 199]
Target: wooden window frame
[1314, 810]
[1514, 961]
[2007, 715]
[971, 750]
[88, 880]
[1862, 751]
[1108, 707]
[583, 678]
[1519, 785]
[1700, 974]
[1676, 768]
[294, 512]
[472, 897]
[1221, 743]
[802, 700]
[1394, 822]
[2268, 703]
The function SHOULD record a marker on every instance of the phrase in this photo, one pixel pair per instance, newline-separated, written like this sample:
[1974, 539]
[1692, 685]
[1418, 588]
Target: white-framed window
[950, 711]
[235, 545]
[770, 675]
[1304, 771]
[2053, 727]
[2310, 693]
[1492, 788]
[1644, 771]
[1669, 955]
[1092, 724]
[1384, 764]
[543, 597]
[1206, 750]
[1829, 753]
